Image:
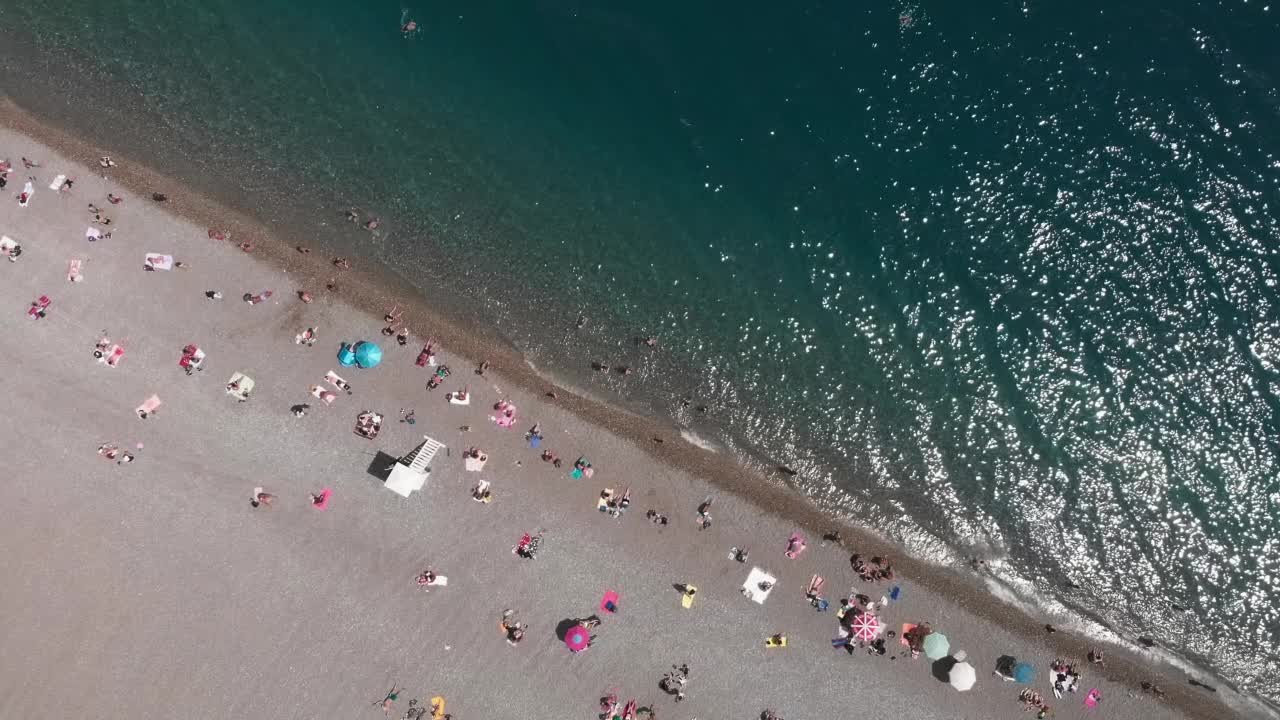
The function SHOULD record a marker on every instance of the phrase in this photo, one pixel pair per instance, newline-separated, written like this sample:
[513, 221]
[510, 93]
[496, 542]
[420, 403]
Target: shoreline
[365, 290]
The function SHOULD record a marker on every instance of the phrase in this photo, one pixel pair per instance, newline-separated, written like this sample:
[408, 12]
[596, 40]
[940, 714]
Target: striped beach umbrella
[865, 627]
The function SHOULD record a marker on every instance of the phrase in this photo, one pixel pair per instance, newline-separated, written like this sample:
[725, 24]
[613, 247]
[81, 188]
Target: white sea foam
[698, 441]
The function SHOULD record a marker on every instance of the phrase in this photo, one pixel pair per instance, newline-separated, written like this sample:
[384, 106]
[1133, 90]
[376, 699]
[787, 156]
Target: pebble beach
[153, 588]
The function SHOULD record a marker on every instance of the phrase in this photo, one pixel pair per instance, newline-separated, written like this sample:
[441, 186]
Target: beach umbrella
[936, 645]
[577, 638]
[865, 627]
[346, 356]
[962, 676]
[368, 354]
[1024, 672]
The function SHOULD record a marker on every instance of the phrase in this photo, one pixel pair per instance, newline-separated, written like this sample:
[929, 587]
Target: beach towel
[27, 191]
[476, 464]
[795, 545]
[156, 261]
[150, 406]
[751, 588]
[8, 246]
[322, 502]
[92, 234]
[73, 270]
[1093, 698]
[113, 356]
[609, 603]
[325, 396]
[454, 399]
[57, 182]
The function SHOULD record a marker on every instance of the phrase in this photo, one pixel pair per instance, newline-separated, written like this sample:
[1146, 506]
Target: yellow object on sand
[437, 707]
[776, 641]
[686, 600]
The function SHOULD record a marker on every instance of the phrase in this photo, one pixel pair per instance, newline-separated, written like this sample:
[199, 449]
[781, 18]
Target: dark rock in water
[1177, 607]
[159, 197]
[787, 471]
[1146, 642]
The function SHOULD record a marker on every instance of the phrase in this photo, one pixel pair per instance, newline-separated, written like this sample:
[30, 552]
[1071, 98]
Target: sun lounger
[751, 588]
[147, 408]
[92, 234]
[113, 356]
[156, 261]
[73, 270]
[38, 307]
[325, 396]
[57, 182]
[27, 191]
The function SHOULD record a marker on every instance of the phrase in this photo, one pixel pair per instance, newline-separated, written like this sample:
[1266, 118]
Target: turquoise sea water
[997, 279]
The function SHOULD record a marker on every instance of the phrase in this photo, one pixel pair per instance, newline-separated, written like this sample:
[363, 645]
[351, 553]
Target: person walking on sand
[386, 702]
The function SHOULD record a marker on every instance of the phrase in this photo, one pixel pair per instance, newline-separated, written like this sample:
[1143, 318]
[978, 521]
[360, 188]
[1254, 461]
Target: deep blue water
[998, 279]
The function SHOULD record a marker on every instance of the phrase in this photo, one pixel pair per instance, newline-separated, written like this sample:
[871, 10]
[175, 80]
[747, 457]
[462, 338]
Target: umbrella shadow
[942, 668]
[1005, 665]
[563, 627]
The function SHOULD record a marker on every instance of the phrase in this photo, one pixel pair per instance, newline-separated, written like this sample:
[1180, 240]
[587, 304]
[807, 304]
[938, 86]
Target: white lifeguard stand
[411, 471]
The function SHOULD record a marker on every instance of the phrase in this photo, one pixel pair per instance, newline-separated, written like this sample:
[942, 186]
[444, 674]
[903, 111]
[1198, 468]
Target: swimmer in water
[407, 26]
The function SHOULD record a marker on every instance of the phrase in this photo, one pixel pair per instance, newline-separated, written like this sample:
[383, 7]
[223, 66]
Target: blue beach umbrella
[1024, 672]
[368, 355]
[346, 356]
[936, 645]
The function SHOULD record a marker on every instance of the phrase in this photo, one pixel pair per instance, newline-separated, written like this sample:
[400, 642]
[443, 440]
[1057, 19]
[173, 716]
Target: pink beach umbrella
[866, 627]
[578, 638]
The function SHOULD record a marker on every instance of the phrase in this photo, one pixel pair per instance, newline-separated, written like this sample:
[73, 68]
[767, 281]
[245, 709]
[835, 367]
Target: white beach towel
[29, 190]
[159, 262]
[92, 234]
[751, 588]
[57, 182]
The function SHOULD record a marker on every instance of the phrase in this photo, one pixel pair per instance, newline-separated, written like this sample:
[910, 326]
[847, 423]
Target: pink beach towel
[322, 500]
[1093, 698]
[609, 603]
[148, 407]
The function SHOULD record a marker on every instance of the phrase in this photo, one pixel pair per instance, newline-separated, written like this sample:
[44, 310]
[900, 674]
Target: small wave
[699, 442]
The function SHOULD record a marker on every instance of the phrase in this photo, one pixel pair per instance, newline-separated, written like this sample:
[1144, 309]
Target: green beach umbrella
[936, 646]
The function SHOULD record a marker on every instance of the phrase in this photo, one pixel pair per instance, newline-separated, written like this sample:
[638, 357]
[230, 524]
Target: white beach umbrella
[962, 676]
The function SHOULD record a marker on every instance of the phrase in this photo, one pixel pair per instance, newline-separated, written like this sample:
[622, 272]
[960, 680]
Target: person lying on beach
[106, 161]
[402, 337]
[114, 199]
[28, 164]
[260, 497]
[342, 263]
[372, 225]
[66, 185]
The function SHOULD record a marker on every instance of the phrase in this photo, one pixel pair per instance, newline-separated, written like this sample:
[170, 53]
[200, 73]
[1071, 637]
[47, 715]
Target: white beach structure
[411, 471]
